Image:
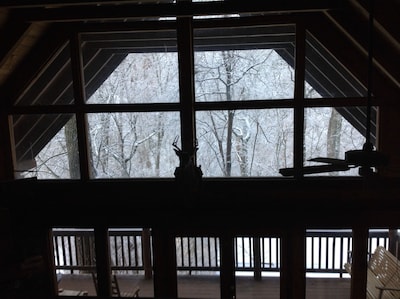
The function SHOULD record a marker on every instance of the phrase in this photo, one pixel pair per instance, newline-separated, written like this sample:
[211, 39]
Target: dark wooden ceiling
[23, 23]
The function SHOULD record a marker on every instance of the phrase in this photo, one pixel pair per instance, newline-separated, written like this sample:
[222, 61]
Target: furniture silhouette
[115, 290]
[383, 275]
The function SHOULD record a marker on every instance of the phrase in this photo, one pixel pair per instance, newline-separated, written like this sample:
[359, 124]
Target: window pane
[46, 146]
[244, 143]
[127, 145]
[131, 67]
[328, 134]
[249, 63]
[141, 78]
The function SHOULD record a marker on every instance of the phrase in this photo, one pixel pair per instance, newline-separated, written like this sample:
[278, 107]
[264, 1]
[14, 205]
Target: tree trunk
[333, 136]
[71, 140]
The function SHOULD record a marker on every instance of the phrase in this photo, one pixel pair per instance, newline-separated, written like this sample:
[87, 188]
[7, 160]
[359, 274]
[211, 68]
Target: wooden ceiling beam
[32, 63]
[355, 26]
[386, 14]
[12, 33]
[352, 55]
[272, 6]
[51, 3]
[181, 9]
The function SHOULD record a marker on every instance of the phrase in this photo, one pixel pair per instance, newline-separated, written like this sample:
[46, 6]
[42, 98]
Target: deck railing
[327, 251]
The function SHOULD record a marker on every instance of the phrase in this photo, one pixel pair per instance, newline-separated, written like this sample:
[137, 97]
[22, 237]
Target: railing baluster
[243, 253]
[333, 252]
[64, 241]
[272, 259]
[56, 250]
[217, 244]
[209, 257]
[190, 242]
[195, 252]
[130, 240]
[80, 250]
[341, 260]
[202, 250]
[278, 252]
[116, 249]
[235, 244]
[70, 253]
[181, 249]
[136, 250]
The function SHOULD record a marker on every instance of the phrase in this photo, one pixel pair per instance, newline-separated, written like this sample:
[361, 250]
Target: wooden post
[165, 276]
[293, 276]
[227, 274]
[257, 258]
[387, 141]
[6, 147]
[358, 288]
[146, 245]
[102, 243]
[394, 242]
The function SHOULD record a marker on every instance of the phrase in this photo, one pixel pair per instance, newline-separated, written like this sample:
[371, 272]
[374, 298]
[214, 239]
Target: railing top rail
[84, 232]
[344, 233]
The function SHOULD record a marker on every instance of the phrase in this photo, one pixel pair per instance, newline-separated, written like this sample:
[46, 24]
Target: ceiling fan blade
[366, 158]
[328, 160]
[315, 169]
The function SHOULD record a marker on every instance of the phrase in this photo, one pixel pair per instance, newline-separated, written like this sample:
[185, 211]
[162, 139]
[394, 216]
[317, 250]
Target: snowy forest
[231, 143]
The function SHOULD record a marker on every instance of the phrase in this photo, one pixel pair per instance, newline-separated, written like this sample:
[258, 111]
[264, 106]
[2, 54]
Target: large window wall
[228, 87]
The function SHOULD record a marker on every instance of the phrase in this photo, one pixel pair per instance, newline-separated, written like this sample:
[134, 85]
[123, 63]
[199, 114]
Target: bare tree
[132, 144]
[333, 134]
[232, 135]
[71, 141]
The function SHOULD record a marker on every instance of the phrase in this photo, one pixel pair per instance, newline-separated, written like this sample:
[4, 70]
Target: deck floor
[208, 286]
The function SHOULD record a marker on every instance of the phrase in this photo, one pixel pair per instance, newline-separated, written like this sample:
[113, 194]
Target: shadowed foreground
[208, 286]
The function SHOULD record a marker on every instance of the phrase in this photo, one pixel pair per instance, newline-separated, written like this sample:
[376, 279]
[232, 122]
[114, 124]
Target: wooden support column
[227, 274]
[293, 270]
[394, 242]
[186, 82]
[257, 258]
[6, 152]
[165, 276]
[299, 99]
[48, 254]
[358, 289]
[146, 245]
[103, 264]
[80, 100]
[387, 138]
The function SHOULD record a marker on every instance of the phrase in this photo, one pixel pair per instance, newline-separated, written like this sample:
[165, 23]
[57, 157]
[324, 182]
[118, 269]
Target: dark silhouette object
[22, 274]
[187, 174]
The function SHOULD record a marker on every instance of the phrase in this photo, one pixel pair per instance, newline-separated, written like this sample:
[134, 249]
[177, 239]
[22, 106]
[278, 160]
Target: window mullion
[299, 99]
[80, 99]
[186, 82]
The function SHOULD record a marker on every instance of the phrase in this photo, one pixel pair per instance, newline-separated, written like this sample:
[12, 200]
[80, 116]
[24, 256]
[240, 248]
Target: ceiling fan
[366, 158]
